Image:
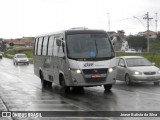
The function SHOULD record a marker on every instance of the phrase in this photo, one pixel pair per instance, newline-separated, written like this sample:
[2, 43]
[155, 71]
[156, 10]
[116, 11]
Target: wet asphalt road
[20, 90]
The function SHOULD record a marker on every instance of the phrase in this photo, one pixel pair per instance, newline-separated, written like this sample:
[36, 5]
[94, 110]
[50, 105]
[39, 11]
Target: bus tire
[43, 82]
[65, 89]
[78, 89]
[107, 87]
[49, 84]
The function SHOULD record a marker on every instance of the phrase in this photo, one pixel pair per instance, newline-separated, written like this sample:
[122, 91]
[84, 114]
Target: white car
[136, 69]
[20, 58]
[131, 51]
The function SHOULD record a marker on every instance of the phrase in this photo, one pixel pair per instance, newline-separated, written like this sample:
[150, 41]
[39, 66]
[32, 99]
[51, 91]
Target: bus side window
[39, 46]
[55, 48]
[60, 46]
[36, 46]
[50, 46]
[45, 42]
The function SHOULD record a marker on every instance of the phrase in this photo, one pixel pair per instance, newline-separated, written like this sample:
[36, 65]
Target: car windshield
[89, 46]
[134, 62]
[21, 56]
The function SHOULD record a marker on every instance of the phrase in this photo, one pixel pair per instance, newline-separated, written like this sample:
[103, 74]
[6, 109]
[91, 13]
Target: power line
[121, 20]
[151, 24]
[139, 21]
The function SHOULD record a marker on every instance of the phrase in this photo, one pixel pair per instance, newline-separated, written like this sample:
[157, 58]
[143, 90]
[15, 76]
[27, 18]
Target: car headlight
[137, 73]
[75, 70]
[158, 72]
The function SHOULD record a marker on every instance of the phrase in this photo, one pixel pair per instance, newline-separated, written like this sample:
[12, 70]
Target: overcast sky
[33, 17]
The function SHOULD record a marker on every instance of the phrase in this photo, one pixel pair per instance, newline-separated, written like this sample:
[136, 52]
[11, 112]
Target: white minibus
[75, 58]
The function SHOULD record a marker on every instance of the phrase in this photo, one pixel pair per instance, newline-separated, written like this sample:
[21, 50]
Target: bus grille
[95, 80]
[88, 72]
[95, 71]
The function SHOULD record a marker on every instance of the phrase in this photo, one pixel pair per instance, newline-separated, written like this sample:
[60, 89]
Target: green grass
[11, 52]
[154, 46]
[153, 57]
[29, 54]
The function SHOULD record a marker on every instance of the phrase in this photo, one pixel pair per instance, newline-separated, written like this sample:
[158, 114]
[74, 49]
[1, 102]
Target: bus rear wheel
[107, 87]
[43, 82]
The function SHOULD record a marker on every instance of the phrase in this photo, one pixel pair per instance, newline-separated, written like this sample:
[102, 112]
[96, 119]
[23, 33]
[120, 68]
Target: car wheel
[127, 79]
[107, 87]
[156, 83]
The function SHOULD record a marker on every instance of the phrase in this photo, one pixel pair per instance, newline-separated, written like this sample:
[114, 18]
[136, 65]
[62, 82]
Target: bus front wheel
[65, 88]
[108, 87]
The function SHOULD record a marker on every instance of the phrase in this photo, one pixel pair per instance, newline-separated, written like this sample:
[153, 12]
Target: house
[149, 33]
[14, 42]
[29, 41]
[21, 42]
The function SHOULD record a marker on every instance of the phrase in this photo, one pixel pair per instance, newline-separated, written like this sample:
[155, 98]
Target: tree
[158, 37]
[11, 44]
[137, 42]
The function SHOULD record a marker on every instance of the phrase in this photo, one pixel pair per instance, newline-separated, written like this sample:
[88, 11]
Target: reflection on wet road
[20, 90]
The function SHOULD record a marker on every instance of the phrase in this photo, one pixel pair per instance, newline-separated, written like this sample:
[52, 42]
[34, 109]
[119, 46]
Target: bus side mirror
[63, 46]
[58, 42]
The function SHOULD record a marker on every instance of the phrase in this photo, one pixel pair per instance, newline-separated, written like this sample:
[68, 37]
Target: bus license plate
[95, 75]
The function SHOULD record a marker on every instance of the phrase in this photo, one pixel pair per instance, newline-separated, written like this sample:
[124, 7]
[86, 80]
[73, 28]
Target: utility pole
[156, 21]
[108, 21]
[148, 18]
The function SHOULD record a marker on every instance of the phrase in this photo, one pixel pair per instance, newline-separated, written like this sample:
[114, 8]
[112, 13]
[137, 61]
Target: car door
[121, 68]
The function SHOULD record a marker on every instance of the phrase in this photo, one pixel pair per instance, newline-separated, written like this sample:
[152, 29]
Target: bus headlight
[75, 70]
[110, 70]
[78, 71]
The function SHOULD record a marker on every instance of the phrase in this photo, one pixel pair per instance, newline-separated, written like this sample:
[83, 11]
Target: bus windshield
[89, 46]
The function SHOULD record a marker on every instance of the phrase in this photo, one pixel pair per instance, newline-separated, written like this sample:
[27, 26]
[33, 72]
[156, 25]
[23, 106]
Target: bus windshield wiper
[96, 49]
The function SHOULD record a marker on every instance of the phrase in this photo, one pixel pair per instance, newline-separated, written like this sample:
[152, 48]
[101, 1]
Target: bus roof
[72, 31]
